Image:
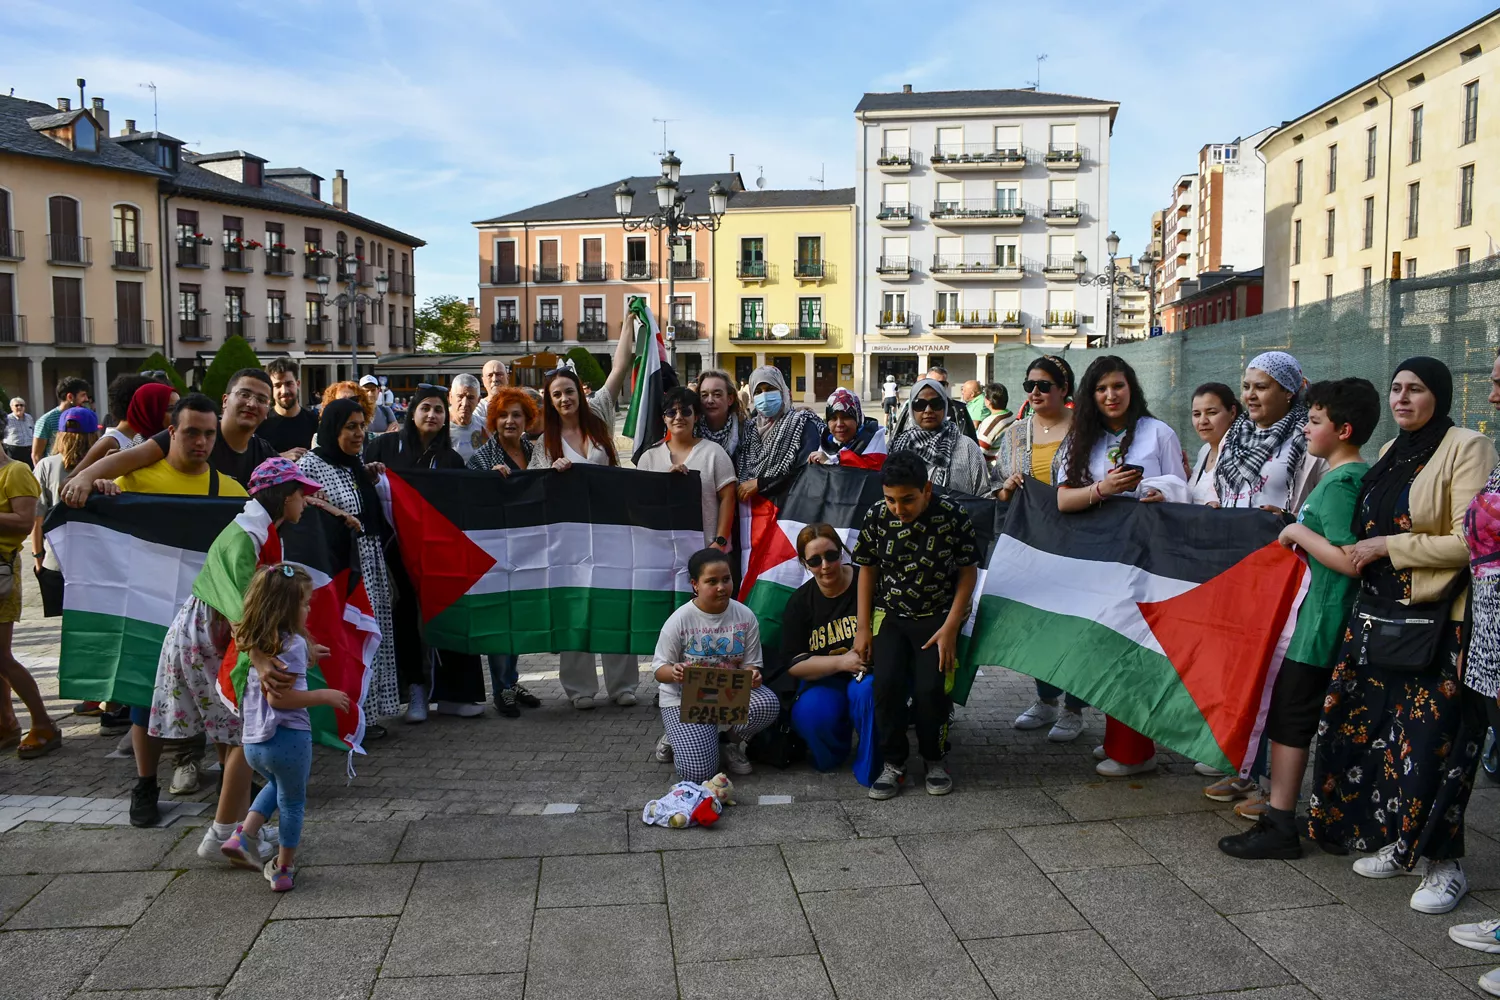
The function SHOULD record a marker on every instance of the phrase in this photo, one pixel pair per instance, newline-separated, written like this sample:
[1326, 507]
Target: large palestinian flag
[1172, 618]
[592, 559]
[650, 377]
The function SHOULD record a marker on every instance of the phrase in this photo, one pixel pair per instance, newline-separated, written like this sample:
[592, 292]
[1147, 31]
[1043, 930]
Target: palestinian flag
[871, 457]
[1172, 618]
[592, 559]
[643, 423]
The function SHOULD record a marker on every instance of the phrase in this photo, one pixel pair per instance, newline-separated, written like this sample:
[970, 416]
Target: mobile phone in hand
[1139, 470]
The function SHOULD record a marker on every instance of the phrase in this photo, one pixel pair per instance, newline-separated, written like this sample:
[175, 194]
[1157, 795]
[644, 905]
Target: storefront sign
[907, 347]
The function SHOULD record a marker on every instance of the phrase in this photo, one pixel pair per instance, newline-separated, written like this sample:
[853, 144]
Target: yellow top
[1041, 461]
[160, 477]
[16, 480]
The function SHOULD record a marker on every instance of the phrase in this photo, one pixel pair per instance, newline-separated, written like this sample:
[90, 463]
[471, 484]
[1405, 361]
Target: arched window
[63, 241]
[359, 264]
[341, 247]
[127, 228]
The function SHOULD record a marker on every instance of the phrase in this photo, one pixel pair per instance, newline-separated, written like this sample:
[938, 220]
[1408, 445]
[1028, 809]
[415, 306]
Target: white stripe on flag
[600, 556]
[116, 573]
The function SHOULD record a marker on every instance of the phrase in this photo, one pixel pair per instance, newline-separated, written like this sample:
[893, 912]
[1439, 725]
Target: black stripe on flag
[833, 494]
[585, 494]
[1176, 540]
[190, 523]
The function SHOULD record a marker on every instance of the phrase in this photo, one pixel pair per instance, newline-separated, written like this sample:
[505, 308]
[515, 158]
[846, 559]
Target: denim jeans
[503, 671]
[1047, 692]
[285, 761]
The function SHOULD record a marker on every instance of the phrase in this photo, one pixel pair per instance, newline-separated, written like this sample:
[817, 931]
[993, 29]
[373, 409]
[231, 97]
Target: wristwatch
[721, 540]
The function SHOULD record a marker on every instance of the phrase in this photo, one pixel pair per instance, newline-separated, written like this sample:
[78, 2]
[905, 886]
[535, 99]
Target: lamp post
[1148, 263]
[1106, 280]
[672, 215]
[353, 298]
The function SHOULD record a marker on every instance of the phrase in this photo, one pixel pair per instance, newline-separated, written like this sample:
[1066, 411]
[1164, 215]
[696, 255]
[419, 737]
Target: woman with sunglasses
[579, 428]
[684, 451]
[780, 438]
[850, 435]
[953, 460]
[834, 688]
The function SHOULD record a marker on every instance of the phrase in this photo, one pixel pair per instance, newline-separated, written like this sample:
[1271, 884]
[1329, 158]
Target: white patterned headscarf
[1282, 367]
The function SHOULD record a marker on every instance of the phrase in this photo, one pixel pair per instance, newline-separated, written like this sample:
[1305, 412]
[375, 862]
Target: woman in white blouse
[1214, 409]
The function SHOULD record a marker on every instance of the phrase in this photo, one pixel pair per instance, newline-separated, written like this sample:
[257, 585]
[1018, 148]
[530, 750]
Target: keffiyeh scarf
[1247, 448]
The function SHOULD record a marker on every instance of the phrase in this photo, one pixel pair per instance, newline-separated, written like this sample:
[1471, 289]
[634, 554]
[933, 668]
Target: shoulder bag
[1391, 635]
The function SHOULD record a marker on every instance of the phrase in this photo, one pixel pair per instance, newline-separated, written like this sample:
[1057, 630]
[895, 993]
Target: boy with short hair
[918, 559]
[1342, 415]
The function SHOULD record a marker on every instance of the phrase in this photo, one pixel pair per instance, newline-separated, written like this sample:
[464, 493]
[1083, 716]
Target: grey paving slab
[470, 838]
[601, 880]
[323, 843]
[1269, 993]
[332, 959]
[767, 914]
[17, 890]
[917, 812]
[796, 977]
[849, 864]
[1077, 965]
[151, 956]
[1340, 955]
[601, 952]
[1076, 846]
[1163, 931]
[1148, 795]
[930, 961]
[66, 849]
[49, 965]
[508, 987]
[748, 825]
[465, 918]
[347, 891]
[200, 993]
[102, 899]
[1188, 846]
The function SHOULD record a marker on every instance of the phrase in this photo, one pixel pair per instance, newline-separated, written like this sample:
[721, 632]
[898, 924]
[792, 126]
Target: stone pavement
[506, 858]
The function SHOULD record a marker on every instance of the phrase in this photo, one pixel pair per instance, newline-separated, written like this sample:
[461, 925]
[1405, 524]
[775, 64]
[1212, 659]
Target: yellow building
[1387, 173]
[784, 288]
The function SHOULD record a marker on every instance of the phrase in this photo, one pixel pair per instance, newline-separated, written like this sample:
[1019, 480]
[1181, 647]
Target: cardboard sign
[715, 695]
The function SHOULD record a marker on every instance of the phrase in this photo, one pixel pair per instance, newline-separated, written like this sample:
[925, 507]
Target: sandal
[39, 743]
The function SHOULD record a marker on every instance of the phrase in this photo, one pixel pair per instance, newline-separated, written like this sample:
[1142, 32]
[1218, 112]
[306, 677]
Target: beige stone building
[1388, 175]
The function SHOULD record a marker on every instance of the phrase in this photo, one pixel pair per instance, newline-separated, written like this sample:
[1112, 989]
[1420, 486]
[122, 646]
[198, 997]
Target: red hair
[588, 421]
[502, 401]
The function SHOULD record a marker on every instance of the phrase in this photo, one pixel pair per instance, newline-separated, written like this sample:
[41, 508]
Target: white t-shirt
[888, 390]
[122, 439]
[468, 438]
[1202, 481]
[50, 477]
[715, 471]
[1154, 447]
[603, 405]
[1271, 486]
[695, 637]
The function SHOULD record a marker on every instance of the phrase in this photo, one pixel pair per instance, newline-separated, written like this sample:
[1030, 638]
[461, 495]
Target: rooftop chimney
[129, 128]
[340, 191]
[906, 88]
[731, 163]
[471, 302]
[63, 104]
[101, 115]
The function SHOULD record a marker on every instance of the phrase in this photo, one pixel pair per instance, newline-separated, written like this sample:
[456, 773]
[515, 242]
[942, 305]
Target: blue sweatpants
[828, 712]
[285, 761]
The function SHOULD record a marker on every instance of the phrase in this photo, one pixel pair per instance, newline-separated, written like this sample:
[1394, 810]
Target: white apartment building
[1179, 259]
[1231, 205]
[972, 210]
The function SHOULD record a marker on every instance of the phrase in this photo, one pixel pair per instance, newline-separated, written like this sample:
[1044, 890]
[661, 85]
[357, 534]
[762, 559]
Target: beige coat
[1434, 550]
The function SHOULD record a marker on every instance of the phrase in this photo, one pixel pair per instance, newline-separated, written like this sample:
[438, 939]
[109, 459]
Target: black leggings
[903, 668]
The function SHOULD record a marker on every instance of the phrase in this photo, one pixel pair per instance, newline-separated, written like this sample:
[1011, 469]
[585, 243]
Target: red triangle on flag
[441, 560]
[769, 545]
[1221, 635]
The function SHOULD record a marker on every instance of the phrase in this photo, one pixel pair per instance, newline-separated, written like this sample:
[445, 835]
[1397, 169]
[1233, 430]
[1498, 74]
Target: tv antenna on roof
[155, 126]
[1037, 83]
[822, 175]
[663, 122]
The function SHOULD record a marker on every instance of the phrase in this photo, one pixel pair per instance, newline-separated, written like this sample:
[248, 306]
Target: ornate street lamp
[1110, 280]
[352, 298]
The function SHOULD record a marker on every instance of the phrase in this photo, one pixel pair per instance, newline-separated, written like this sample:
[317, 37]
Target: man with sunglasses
[957, 411]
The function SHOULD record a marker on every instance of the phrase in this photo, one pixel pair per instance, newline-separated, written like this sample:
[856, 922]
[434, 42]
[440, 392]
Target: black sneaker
[506, 703]
[143, 808]
[526, 698]
[1263, 840]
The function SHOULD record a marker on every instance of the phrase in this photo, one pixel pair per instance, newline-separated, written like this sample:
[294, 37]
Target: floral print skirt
[186, 701]
[1395, 764]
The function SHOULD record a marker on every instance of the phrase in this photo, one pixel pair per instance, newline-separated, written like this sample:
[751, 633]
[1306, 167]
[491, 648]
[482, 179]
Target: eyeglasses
[678, 411]
[1038, 385]
[155, 374]
[832, 558]
[246, 396]
[429, 385]
[923, 405]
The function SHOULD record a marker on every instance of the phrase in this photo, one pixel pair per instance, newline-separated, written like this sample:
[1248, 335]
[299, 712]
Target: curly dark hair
[1088, 422]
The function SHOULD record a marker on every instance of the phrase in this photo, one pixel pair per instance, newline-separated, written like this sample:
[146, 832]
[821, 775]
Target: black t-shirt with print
[237, 465]
[815, 625]
[918, 563]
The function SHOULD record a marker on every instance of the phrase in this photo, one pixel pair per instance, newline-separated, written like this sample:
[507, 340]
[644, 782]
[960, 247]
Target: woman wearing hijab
[146, 405]
[849, 433]
[953, 460]
[337, 464]
[780, 438]
[1394, 767]
[1263, 459]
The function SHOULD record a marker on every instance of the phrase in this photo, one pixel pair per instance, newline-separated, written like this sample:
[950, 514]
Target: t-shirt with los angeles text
[695, 637]
[1329, 511]
[814, 624]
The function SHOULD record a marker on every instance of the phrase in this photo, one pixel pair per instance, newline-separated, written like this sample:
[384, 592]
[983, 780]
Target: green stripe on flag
[645, 341]
[553, 619]
[108, 658]
[322, 717]
[768, 601]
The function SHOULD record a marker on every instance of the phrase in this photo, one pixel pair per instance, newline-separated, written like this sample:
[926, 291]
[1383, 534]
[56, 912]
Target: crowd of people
[1393, 668]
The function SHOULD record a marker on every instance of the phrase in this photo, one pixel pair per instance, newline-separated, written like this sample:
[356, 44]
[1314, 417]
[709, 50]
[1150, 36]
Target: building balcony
[1184, 224]
[403, 338]
[751, 271]
[278, 332]
[317, 330]
[12, 330]
[1064, 156]
[505, 331]
[239, 326]
[592, 330]
[128, 255]
[812, 270]
[981, 212]
[808, 332]
[72, 331]
[1063, 212]
[975, 323]
[12, 244]
[313, 266]
[682, 269]
[894, 268]
[596, 271]
[1183, 251]
[638, 270]
[1060, 324]
[894, 159]
[1059, 268]
[279, 263]
[976, 157]
[894, 325]
[134, 332]
[74, 251]
[976, 267]
[402, 283]
[505, 274]
[544, 274]
[547, 331]
[687, 329]
[894, 214]
[237, 258]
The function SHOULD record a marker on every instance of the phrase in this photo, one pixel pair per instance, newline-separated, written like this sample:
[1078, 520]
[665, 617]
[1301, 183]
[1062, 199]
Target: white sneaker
[462, 709]
[1381, 864]
[1483, 936]
[266, 844]
[583, 702]
[185, 780]
[1490, 982]
[1207, 770]
[416, 710]
[625, 699]
[1038, 715]
[1441, 889]
[1099, 753]
[663, 752]
[1067, 728]
[732, 756]
[1111, 768]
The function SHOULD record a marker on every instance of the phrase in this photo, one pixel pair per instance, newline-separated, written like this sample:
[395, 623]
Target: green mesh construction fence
[1453, 316]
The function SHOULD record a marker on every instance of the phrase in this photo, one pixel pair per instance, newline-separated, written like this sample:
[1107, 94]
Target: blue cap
[79, 420]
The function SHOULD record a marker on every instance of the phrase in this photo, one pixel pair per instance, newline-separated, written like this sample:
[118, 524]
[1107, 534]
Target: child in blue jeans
[277, 732]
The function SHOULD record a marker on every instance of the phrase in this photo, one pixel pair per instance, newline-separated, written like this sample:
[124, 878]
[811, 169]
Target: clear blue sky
[446, 111]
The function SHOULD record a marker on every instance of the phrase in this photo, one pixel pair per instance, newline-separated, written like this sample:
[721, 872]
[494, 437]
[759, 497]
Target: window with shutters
[130, 326]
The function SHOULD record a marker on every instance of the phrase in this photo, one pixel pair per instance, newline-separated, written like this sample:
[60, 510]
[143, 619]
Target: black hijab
[1381, 489]
[404, 450]
[330, 424]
